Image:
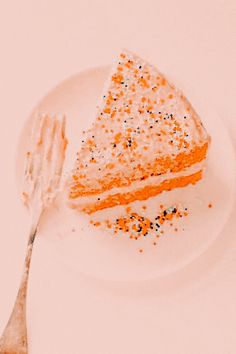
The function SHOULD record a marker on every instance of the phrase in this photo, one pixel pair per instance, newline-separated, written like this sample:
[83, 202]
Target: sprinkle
[137, 226]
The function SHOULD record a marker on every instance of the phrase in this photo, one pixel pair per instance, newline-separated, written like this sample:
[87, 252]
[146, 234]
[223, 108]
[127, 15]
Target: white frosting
[151, 116]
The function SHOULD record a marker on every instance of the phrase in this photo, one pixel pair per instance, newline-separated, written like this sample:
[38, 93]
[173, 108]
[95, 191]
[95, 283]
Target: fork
[42, 179]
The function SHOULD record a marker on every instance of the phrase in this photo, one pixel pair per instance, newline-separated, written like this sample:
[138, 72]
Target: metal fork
[42, 177]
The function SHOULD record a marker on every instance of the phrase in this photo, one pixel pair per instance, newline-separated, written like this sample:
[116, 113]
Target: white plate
[100, 255]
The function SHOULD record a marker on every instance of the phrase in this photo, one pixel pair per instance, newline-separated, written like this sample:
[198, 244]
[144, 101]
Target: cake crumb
[138, 225]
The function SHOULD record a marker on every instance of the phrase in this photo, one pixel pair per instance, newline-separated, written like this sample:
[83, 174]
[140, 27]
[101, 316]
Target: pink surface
[43, 42]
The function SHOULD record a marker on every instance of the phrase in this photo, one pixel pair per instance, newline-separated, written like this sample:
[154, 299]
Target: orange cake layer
[145, 132]
[142, 194]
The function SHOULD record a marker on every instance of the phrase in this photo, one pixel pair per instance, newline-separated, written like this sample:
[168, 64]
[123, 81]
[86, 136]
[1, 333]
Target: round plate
[95, 252]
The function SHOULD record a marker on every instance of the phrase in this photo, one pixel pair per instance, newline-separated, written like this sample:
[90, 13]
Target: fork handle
[14, 337]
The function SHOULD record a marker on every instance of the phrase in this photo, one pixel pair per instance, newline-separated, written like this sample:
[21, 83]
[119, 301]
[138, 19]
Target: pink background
[43, 42]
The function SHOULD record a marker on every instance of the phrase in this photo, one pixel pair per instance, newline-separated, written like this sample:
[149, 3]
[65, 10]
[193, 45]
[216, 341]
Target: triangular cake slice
[146, 139]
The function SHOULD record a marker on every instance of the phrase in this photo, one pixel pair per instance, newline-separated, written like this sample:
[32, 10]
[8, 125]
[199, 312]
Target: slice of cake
[146, 139]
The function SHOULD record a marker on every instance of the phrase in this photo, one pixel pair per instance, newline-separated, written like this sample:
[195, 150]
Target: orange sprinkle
[117, 138]
[163, 82]
[117, 78]
[110, 165]
[107, 110]
[209, 205]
